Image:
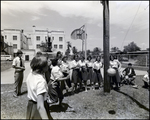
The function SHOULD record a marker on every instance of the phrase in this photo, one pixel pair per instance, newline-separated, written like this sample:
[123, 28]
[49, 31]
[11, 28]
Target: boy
[130, 74]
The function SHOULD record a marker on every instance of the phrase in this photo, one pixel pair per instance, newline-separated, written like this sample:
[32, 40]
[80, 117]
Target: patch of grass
[93, 104]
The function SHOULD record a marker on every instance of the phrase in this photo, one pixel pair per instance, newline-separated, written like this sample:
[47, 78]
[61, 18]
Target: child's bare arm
[40, 106]
[63, 78]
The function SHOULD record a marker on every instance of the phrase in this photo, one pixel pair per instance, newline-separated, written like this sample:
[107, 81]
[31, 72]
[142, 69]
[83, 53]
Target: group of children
[48, 78]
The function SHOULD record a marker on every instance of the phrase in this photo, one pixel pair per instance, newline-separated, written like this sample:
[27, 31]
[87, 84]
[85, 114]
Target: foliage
[114, 49]
[96, 51]
[68, 50]
[131, 47]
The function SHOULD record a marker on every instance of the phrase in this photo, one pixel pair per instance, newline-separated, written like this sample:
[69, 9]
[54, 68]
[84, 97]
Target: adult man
[18, 65]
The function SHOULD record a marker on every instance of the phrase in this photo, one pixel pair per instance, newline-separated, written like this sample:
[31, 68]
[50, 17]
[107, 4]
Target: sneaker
[86, 90]
[93, 88]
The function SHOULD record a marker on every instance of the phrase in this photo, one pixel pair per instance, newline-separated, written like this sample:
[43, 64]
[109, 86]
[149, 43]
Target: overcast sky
[129, 20]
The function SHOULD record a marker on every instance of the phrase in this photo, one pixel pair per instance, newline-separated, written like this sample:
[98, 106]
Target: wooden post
[106, 44]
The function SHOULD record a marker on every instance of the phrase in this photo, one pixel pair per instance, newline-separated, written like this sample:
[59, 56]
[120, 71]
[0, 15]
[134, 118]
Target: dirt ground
[128, 103]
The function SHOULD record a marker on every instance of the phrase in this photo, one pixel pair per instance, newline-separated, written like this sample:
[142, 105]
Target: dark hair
[111, 57]
[115, 56]
[54, 61]
[19, 52]
[38, 63]
[76, 55]
[64, 58]
[130, 64]
[89, 57]
[97, 58]
[82, 57]
[38, 54]
[58, 53]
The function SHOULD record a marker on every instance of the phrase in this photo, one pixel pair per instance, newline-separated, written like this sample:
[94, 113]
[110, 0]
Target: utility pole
[105, 4]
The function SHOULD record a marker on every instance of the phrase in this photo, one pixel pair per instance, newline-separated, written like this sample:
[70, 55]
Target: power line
[130, 25]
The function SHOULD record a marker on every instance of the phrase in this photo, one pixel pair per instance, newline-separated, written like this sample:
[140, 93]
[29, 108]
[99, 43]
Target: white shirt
[114, 64]
[16, 62]
[89, 63]
[146, 78]
[36, 84]
[82, 63]
[56, 73]
[74, 64]
[97, 65]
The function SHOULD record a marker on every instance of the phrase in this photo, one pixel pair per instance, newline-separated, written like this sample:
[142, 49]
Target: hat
[129, 63]
[19, 52]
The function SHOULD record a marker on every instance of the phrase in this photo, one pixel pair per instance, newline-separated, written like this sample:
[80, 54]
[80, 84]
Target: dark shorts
[33, 113]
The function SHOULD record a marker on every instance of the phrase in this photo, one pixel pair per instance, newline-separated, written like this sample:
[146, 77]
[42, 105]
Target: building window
[38, 38]
[15, 46]
[5, 36]
[60, 38]
[37, 45]
[60, 46]
[55, 46]
[14, 37]
[52, 38]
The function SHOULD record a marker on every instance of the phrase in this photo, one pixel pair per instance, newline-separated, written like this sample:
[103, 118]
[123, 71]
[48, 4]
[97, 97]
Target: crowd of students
[48, 78]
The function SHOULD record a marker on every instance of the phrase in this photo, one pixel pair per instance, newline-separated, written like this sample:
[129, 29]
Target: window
[60, 46]
[55, 46]
[14, 37]
[38, 38]
[15, 46]
[37, 45]
[60, 38]
[5, 36]
[52, 38]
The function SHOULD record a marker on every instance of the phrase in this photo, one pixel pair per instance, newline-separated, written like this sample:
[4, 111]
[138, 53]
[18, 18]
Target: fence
[136, 59]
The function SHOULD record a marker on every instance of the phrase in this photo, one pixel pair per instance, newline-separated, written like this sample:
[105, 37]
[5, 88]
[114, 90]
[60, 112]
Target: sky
[128, 20]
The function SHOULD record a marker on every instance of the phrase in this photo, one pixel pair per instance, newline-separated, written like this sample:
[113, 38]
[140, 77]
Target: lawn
[128, 103]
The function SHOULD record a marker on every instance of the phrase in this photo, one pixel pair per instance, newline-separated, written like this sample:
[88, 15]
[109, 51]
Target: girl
[89, 65]
[97, 72]
[75, 72]
[55, 91]
[115, 79]
[65, 68]
[37, 107]
[84, 74]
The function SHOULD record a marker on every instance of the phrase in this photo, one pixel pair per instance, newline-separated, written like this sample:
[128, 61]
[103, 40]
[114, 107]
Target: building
[18, 40]
[30, 43]
[57, 38]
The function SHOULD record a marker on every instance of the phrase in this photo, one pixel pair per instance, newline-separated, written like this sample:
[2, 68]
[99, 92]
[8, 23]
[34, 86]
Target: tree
[96, 51]
[131, 47]
[114, 49]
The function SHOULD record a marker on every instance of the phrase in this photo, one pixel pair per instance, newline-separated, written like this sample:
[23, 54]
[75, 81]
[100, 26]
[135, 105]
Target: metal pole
[106, 44]
[85, 43]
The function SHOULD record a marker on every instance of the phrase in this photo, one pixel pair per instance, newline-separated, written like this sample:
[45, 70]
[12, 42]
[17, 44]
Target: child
[54, 88]
[129, 74]
[97, 72]
[116, 65]
[65, 68]
[83, 70]
[146, 80]
[75, 72]
[89, 65]
[37, 90]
